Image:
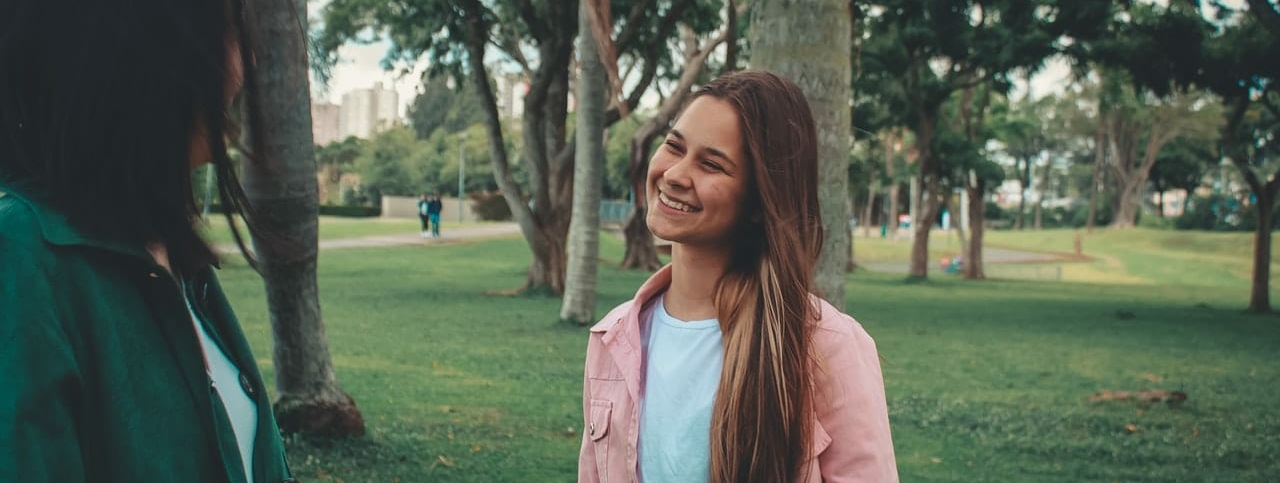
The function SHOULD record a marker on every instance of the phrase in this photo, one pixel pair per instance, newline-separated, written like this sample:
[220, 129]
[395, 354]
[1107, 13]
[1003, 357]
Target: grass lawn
[986, 381]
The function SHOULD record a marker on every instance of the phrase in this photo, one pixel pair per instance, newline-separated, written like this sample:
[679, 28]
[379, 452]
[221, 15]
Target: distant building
[324, 123]
[510, 92]
[365, 112]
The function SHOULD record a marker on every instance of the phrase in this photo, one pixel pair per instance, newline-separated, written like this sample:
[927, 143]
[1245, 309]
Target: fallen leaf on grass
[475, 449]
[448, 462]
[1132, 428]
[935, 460]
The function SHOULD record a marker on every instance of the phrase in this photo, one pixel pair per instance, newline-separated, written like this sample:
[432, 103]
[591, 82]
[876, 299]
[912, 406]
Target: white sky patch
[360, 66]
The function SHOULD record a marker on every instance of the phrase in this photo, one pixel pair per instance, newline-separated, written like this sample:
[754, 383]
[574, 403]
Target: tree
[1182, 166]
[919, 53]
[283, 191]
[579, 301]
[442, 107]
[810, 43]
[1018, 125]
[964, 144]
[1236, 55]
[1138, 127]
[538, 38]
[338, 153]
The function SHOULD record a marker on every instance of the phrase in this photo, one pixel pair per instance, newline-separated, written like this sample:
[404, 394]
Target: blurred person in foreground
[122, 360]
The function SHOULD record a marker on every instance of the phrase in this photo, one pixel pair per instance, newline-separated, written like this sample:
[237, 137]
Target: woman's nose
[678, 174]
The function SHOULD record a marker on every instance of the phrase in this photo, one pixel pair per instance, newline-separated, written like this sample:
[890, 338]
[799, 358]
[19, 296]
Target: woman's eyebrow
[710, 150]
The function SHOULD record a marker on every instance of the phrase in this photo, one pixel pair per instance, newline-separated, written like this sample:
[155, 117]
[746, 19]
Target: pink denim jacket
[851, 438]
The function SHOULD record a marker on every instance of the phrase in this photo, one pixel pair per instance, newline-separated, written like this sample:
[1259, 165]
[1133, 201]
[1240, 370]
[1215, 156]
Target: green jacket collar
[56, 230]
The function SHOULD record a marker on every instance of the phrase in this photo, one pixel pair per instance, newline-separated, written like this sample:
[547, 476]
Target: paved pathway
[495, 230]
[989, 256]
[412, 238]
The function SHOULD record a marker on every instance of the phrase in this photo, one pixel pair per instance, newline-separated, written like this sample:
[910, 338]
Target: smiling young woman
[724, 367]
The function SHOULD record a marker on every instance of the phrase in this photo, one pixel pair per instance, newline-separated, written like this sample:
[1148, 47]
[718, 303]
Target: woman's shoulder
[614, 317]
[21, 233]
[835, 330]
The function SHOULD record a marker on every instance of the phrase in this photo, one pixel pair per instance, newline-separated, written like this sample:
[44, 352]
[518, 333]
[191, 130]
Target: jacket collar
[620, 331]
[612, 324]
[57, 230]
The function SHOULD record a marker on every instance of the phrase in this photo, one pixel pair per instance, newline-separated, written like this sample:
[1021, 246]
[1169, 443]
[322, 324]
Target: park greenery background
[463, 372]
[985, 382]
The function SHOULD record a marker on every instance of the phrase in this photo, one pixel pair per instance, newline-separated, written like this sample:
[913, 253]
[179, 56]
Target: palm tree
[819, 32]
[283, 191]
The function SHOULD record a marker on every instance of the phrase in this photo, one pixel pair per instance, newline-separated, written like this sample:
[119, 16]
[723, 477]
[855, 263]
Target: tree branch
[537, 27]
[632, 24]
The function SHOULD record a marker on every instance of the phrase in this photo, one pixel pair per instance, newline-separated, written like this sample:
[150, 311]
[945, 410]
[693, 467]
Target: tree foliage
[535, 41]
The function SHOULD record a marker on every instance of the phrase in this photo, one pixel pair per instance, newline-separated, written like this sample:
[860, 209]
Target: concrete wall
[407, 207]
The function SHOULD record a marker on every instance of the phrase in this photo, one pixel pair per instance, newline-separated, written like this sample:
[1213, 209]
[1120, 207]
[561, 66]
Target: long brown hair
[760, 422]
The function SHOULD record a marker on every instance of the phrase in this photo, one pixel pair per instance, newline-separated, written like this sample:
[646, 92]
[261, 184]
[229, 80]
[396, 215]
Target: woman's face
[698, 178]
[231, 88]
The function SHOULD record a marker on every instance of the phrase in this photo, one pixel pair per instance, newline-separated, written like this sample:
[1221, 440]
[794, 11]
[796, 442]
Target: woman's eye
[711, 165]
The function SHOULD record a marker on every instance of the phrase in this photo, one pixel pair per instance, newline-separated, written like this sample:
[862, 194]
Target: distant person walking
[423, 210]
[433, 212]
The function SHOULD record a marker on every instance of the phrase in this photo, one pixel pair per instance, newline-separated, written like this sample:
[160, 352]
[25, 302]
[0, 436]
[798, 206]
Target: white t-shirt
[682, 373]
[241, 410]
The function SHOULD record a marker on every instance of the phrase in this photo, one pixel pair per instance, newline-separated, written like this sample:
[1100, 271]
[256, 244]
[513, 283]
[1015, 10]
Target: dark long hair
[100, 104]
[760, 423]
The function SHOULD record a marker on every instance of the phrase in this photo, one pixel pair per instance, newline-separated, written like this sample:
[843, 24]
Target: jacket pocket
[597, 429]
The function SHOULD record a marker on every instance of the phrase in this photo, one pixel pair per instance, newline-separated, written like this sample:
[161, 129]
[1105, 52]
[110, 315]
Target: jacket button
[591, 431]
[246, 385]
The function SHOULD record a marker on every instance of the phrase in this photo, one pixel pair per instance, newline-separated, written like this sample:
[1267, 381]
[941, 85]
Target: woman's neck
[695, 273]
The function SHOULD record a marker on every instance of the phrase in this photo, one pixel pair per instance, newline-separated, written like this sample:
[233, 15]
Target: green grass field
[986, 381]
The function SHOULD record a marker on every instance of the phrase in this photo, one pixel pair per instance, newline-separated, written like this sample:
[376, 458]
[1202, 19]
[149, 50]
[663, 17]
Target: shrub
[351, 211]
[490, 206]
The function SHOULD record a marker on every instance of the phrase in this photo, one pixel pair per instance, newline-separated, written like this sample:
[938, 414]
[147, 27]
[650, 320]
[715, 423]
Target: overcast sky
[360, 67]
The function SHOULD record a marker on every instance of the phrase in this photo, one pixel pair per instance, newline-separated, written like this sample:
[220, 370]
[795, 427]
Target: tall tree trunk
[283, 191]
[810, 43]
[1265, 193]
[548, 160]
[1127, 201]
[890, 160]
[930, 187]
[579, 301]
[1260, 291]
[1044, 184]
[1099, 157]
[895, 191]
[868, 212]
[1024, 177]
[975, 187]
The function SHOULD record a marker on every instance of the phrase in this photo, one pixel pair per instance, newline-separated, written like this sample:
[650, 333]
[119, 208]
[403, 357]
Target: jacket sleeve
[41, 383]
[851, 407]
[587, 472]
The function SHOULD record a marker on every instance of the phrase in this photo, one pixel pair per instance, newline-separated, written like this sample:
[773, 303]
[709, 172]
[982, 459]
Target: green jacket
[101, 373]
